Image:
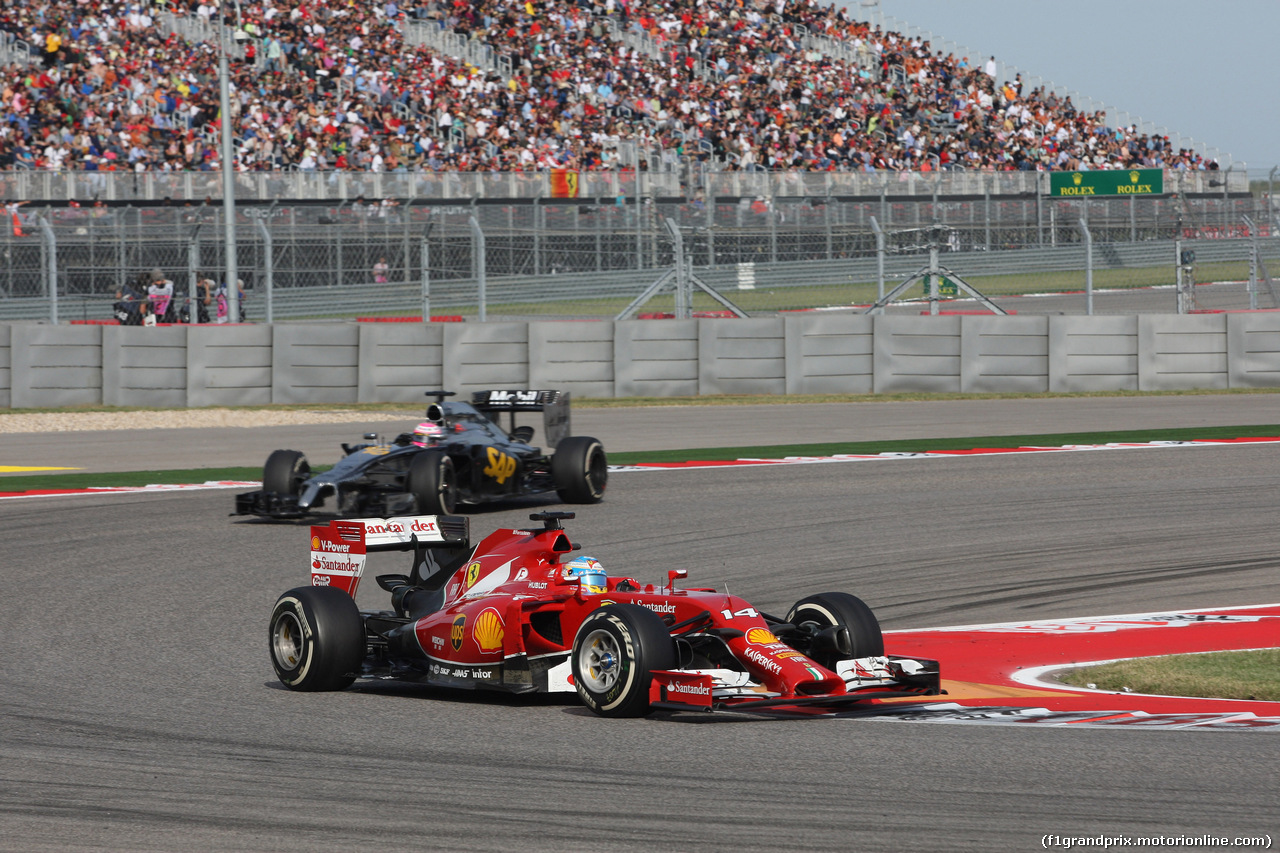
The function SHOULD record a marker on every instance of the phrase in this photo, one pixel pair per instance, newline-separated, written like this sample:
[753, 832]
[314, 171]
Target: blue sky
[1207, 70]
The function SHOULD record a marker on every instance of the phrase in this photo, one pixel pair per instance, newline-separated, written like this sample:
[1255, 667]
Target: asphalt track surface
[140, 711]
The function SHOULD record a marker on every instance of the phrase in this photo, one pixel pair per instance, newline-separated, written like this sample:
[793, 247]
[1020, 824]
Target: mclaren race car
[517, 612]
[459, 455]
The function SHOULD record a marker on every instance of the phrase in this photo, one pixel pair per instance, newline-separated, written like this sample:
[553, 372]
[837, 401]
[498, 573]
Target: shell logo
[473, 574]
[488, 631]
[315, 543]
[761, 636]
[456, 633]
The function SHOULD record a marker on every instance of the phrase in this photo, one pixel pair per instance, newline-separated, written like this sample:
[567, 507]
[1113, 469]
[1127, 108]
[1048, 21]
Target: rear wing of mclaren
[554, 406]
[339, 548]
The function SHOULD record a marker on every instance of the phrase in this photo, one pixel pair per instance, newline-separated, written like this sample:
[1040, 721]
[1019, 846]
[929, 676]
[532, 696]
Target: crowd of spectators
[332, 84]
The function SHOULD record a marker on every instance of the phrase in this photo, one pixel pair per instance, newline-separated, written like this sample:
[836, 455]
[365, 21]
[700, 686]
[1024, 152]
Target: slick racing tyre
[839, 610]
[616, 648]
[579, 470]
[432, 483]
[317, 638]
[285, 472]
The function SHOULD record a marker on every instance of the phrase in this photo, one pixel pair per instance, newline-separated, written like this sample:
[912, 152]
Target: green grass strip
[83, 480]
[1220, 675]
[920, 445]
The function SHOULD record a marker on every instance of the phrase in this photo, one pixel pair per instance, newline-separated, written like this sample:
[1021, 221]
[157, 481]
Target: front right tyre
[317, 638]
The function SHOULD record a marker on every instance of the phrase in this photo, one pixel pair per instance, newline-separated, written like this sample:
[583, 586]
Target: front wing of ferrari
[866, 680]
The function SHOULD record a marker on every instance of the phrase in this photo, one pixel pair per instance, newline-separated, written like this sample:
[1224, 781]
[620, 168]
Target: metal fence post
[1180, 280]
[193, 276]
[710, 202]
[684, 297]
[49, 260]
[478, 263]
[773, 229]
[425, 252]
[986, 211]
[268, 268]
[1271, 196]
[1088, 265]
[879, 232]
[539, 220]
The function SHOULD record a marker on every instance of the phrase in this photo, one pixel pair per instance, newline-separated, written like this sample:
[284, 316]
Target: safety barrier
[194, 366]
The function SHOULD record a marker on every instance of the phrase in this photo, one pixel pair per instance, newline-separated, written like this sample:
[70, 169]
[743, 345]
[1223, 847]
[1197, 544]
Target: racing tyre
[839, 609]
[285, 472]
[317, 638]
[616, 648]
[579, 470]
[433, 484]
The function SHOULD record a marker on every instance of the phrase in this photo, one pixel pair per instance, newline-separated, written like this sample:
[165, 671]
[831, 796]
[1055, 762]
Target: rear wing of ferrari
[339, 548]
[554, 406]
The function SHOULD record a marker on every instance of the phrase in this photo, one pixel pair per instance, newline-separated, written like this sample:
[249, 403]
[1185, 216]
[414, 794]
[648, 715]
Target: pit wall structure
[197, 366]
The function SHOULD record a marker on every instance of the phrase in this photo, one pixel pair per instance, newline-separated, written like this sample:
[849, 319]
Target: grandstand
[111, 86]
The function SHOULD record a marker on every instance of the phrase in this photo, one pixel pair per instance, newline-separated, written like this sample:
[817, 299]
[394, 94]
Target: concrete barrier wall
[797, 354]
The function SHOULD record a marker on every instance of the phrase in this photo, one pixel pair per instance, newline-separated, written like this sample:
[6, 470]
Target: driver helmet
[589, 573]
[427, 433]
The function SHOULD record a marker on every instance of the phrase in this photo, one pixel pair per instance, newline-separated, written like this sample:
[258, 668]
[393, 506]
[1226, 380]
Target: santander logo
[693, 689]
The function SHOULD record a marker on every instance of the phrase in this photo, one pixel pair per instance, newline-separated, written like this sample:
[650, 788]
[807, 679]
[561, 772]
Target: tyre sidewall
[571, 469]
[427, 473]
[840, 608]
[273, 471]
[642, 652]
[332, 638]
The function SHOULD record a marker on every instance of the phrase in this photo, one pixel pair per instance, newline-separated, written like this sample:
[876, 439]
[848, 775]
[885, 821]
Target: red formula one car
[517, 612]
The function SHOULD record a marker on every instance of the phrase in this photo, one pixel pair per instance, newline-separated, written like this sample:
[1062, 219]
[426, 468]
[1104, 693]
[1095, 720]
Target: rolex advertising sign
[1109, 182]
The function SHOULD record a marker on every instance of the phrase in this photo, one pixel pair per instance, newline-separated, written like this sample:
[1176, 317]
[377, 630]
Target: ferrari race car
[517, 613]
[459, 455]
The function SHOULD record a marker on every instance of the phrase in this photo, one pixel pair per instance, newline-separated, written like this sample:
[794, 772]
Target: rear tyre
[580, 470]
[285, 472]
[616, 649]
[433, 483]
[316, 639]
[841, 610]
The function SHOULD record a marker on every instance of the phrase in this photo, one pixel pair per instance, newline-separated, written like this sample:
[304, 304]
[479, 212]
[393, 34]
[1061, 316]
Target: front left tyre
[827, 613]
[579, 470]
[616, 649]
[317, 638]
[433, 483]
[285, 472]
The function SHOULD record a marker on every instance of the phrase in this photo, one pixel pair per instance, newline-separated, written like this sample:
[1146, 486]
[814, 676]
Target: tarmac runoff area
[174, 439]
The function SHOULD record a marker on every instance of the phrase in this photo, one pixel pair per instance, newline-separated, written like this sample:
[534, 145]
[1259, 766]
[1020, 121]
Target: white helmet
[427, 433]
